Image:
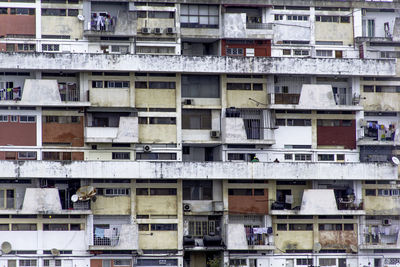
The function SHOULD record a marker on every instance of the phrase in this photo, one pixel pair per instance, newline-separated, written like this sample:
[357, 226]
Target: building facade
[199, 133]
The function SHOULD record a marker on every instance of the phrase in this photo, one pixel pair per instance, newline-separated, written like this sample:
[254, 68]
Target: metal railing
[10, 93]
[259, 26]
[282, 98]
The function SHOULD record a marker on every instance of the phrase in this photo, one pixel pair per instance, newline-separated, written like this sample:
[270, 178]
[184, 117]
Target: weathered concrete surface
[39, 92]
[192, 64]
[45, 200]
[197, 170]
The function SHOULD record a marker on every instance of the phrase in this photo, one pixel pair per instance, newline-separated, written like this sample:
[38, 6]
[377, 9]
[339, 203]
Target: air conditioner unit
[187, 207]
[188, 102]
[215, 134]
[386, 222]
[171, 30]
[145, 30]
[147, 148]
[157, 31]
[218, 205]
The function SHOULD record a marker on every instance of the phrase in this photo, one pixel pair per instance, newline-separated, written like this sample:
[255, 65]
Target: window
[116, 84]
[13, 118]
[348, 227]
[24, 227]
[287, 52]
[340, 157]
[297, 17]
[302, 157]
[288, 157]
[22, 11]
[53, 12]
[298, 122]
[196, 119]
[240, 192]
[370, 192]
[371, 28]
[300, 227]
[280, 122]
[97, 84]
[27, 119]
[26, 263]
[201, 86]
[327, 262]
[163, 227]
[324, 53]
[27, 155]
[162, 85]
[121, 155]
[163, 191]
[122, 262]
[199, 228]
[52, 263]
[237, 262]
[7, 199]
[3, 11]
[157, 120]
[155, 156]
[50, 47]
[197, 190]
[142, 191]
[161, 14]
[234, 51]
[116, 191]
[236, 156]
[327, 18]
[281, 227]
[278, 17]
[300, 52]
[326, 157]
[345, 19]
[330, 227]
[26, 47]
[144, 227]
[73, 12]
[308, 262]
[199, 16]
[3, 118]
[328, 123]
[55, 227]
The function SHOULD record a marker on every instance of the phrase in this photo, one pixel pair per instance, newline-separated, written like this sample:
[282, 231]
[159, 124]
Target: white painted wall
[292, 135]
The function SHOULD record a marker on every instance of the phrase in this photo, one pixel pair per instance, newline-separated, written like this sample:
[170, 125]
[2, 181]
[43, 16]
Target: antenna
[6, 247]
[55, 252]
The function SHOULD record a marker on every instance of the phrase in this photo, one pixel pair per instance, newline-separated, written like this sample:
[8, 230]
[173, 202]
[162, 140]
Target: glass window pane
[203, 20]
[203, 10]
[193, 10]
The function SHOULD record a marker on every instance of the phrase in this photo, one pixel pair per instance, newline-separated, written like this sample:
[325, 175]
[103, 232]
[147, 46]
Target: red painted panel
[337, 136]
[64, 133]
[249, 204]
[17, 24]
[18, 134]
[262, 48]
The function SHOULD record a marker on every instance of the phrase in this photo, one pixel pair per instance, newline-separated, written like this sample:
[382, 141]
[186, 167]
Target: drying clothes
[260, 230]
[99, 232]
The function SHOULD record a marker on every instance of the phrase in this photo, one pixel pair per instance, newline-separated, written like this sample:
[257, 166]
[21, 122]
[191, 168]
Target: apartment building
[199, 133]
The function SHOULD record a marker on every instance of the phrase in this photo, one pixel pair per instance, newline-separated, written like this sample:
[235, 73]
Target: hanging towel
[99, 232]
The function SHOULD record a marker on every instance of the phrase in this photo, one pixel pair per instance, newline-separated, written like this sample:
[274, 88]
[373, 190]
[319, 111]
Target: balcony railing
[103, 23]
[259, 26]
[349, 203]
[68, 92]
[106, 236]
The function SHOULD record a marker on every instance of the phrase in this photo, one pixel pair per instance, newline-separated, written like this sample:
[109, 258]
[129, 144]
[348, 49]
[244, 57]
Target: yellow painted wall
[333, 31]
[297, 192]
[285, 240]
[120, 205]
[56, 25]
[381, 101]
[381, 205]
[156, 133]
[163, 205]
[240, 98]
[153, 98]
[110, 97]
[159, 240]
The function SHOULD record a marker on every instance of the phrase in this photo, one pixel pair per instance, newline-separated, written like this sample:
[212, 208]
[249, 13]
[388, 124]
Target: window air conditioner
[171, 30]
[386, 222]
[188, 102]
[187, 207]
[157, 31]
[145, 30]
[147, 148]
[215, 134]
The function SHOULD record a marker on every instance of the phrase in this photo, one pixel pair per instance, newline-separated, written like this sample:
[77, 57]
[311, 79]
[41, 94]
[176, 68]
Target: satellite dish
[395, 161]
[353, 248]
[86, 192]
[317, 247]
[6, 247]
[81, 18]
[74, 198]
[55, 252]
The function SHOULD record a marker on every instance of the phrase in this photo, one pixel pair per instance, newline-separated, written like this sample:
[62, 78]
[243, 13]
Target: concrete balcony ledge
[197, 64]
[197, 170]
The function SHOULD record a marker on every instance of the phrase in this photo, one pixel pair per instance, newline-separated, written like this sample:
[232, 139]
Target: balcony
[126, 132]
[115, 237]
[105, 24]
[239, 25]
[241, 237]
[286, 99]
[11, 94]
[69, 92]
[380, 236]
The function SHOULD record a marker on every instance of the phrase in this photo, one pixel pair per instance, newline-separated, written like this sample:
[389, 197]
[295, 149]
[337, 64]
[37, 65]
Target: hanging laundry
[99, 232]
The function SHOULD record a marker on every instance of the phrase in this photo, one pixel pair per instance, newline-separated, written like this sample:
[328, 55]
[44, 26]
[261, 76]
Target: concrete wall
[303, 240]
[57, 25]
[153, 98]
[157, 205]
[158, 240]
[207, 64]
[63, 133]
[110, 97]
[334, 31]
